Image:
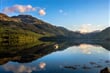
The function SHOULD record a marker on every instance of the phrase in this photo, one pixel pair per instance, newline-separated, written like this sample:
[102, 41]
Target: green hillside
[28, 28]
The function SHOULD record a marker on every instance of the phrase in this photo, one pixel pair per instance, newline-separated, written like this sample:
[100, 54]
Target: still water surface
[82, 58]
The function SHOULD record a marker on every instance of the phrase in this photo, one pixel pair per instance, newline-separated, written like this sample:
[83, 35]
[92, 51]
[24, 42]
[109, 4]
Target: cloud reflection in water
[21, 68]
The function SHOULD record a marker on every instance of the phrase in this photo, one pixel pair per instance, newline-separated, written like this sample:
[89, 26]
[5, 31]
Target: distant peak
[107, 29]
[29, 19]
[3, 15]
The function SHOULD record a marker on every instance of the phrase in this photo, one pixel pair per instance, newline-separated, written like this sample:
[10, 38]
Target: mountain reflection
[30, 52]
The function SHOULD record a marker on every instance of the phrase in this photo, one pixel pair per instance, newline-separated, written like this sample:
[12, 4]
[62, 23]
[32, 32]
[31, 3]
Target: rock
[98, 66]
[107, 61]
[85, 67]
[92, 63]
[70, 67]
[105, 70]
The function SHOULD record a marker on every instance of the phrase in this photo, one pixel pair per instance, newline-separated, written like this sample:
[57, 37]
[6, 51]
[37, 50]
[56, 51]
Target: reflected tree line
[28, 52]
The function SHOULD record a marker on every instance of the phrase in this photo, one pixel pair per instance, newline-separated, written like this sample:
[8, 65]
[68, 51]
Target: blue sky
[82, 15]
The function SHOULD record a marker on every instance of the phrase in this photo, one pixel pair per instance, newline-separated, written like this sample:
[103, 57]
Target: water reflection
[42, 65]
[55, 57]
[85, 48]
[19, 69]
[22, 68]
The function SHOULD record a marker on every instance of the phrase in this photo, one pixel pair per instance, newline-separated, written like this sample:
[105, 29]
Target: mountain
[97, 35]
[11, 30]
[4, 17]
[104, 34]
[35, 24]
[28, 22]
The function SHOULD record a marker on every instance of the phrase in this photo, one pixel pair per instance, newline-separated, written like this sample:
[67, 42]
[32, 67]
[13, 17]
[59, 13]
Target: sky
[75, 15]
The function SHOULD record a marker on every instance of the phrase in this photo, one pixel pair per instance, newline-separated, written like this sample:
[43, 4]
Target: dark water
[63, 57]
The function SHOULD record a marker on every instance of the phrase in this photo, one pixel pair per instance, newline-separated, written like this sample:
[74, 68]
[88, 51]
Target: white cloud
[19, 8]
[86, 28]
[24, 8]
[62, 12]
[42, 12]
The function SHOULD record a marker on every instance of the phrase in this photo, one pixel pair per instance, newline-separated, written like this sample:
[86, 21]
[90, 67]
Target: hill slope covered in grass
[27, 26]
